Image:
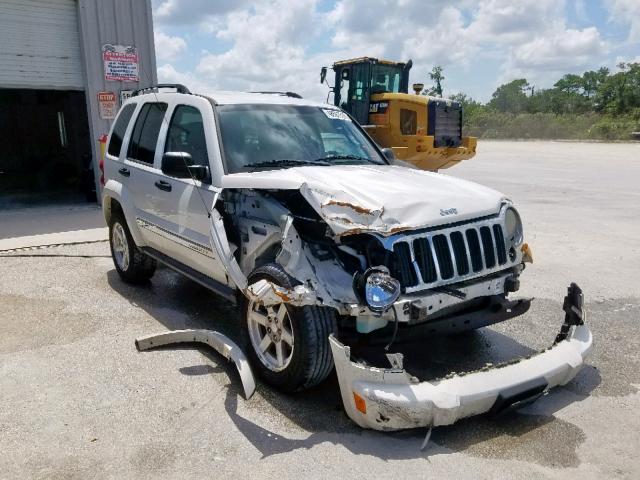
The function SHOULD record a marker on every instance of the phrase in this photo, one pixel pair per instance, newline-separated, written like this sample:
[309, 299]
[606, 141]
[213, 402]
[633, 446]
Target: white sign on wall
[125, 95]
[120, 63]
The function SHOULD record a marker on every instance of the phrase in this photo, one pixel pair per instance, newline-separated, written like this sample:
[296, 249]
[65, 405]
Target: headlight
[513, 226]
[377, 288]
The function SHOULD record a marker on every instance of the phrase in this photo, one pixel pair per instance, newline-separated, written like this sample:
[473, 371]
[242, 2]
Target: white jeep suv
[287, 207]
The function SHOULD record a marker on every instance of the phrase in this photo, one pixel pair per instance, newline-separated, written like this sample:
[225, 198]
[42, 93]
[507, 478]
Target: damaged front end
[391, 398]
[449, 278]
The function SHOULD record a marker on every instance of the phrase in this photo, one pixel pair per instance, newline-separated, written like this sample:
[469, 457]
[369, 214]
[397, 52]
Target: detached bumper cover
[391, 399]
[395, 400]
[220, 342]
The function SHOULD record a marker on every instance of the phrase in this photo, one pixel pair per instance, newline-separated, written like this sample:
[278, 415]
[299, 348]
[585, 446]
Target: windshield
[385, 78]
[281, 136]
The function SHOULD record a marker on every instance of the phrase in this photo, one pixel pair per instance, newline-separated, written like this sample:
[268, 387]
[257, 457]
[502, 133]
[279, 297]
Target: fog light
[377, 288]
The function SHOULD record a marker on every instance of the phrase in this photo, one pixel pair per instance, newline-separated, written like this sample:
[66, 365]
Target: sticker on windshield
[336, 114]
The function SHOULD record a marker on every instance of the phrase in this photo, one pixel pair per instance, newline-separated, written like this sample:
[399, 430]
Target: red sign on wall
[107, 105]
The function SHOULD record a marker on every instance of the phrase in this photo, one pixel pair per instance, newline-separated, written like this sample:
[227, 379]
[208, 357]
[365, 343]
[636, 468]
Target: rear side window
[144, 137]
[115, 144]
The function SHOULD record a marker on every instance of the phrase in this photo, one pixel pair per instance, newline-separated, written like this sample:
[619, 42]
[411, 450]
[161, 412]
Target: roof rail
[284, 94]
[179, 88]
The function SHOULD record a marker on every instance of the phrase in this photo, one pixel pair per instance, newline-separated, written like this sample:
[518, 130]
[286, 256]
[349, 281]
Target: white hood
[383, 199]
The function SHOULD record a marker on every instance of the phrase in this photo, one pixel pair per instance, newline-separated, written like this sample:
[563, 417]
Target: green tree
[511, 97]
[620, 92]
[437, 77]
[593, 79]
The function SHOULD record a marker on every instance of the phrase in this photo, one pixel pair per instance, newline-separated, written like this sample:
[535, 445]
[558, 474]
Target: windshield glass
[385, 78]
[281, 136]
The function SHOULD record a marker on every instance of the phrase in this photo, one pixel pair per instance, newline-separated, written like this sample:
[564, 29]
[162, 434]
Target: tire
[132, 265]
[309, 360]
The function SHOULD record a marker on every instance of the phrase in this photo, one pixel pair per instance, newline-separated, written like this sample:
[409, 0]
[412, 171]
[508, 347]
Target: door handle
[162, 185]
[124, 172]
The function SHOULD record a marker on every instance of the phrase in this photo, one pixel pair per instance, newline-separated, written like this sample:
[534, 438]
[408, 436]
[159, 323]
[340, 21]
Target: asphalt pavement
[78, 401]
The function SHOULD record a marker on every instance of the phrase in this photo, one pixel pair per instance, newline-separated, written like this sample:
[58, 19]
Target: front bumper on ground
[390, 398]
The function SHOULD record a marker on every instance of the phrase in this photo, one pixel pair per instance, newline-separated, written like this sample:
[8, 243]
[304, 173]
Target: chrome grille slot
[404, 271]
[424, 259]
[500, 246]
[443, 256]
[460, 253]
[487, 247]
[474, 249]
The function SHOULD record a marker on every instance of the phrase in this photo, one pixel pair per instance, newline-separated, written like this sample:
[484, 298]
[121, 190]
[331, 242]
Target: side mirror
[345, 74]
[175, 164]
[323, 74]
[389, 155]
[199, 172]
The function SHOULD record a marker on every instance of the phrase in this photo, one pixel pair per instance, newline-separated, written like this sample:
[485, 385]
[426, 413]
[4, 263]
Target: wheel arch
[115, 198]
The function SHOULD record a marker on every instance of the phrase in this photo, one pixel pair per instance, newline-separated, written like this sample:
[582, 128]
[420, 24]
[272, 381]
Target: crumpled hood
[384, 199]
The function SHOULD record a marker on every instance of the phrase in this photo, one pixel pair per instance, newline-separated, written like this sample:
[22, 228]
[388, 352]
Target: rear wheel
[132, 265]
[288, 346]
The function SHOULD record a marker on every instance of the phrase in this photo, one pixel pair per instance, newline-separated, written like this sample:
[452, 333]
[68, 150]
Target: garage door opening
[45, 146]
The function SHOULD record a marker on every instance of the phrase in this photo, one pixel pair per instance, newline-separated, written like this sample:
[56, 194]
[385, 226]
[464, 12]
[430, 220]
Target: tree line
[598, 104]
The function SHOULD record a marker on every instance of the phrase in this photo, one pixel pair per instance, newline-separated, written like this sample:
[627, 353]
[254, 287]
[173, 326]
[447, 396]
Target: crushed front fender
[392, 399]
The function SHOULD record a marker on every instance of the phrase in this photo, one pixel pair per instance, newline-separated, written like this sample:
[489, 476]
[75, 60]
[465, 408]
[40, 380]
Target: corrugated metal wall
[40, 45]
[117, 22]
[57, 44]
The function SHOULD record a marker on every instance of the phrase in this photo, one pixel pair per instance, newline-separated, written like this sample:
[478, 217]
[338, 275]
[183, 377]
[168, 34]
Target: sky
[281, 44]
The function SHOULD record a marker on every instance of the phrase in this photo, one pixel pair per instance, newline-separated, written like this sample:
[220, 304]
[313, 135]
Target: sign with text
[107, 105]
[120, 63]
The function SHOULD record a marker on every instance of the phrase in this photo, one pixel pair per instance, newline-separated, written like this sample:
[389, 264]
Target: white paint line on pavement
[59, 238]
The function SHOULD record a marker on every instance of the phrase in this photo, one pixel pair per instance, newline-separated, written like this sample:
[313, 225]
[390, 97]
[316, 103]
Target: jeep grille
[427, 260]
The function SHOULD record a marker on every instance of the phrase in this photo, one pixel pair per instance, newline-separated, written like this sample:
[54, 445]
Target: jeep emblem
[449, 211]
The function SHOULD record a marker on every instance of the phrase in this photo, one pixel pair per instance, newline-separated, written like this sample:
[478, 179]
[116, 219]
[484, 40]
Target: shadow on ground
[178, 303]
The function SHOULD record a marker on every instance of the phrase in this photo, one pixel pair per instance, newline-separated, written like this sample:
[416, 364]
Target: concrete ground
[78, 401]
[46, 220]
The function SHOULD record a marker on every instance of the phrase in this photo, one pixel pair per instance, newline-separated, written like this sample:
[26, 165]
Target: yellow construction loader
[424, 131]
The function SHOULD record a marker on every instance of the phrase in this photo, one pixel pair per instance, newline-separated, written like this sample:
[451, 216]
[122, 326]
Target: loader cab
[356, 80]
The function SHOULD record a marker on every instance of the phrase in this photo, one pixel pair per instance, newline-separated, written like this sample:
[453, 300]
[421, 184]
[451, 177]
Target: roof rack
[179, 88]
[284, 94]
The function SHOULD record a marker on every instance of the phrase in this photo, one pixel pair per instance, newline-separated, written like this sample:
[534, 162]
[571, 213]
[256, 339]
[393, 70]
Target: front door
[358, 103]
[184, 208]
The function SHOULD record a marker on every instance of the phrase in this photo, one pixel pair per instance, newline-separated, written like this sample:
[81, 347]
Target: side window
[144, 137]
[115, 144]
[344, 89]
[408, 121]
[186, 134]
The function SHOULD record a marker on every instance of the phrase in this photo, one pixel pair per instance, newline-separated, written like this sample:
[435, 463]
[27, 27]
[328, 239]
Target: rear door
[145, 180]
[114, 155]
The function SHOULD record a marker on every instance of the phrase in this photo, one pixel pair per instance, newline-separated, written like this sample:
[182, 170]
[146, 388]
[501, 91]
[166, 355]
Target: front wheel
[288, 346]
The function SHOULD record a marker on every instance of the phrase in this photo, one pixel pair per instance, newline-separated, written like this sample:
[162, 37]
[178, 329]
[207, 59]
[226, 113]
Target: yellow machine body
[406, 133]
[423, 131]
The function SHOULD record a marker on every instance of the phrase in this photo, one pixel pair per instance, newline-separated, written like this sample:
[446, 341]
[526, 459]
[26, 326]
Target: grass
[589, 126]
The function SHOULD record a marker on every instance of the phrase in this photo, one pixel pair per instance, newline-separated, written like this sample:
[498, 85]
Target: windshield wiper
[348, 157]
[286, 162]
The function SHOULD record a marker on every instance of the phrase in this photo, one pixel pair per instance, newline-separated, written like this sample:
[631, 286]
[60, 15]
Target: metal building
[64, 67]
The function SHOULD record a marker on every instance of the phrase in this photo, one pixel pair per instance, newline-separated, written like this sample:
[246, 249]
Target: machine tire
[311, 360]
[132, 265]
